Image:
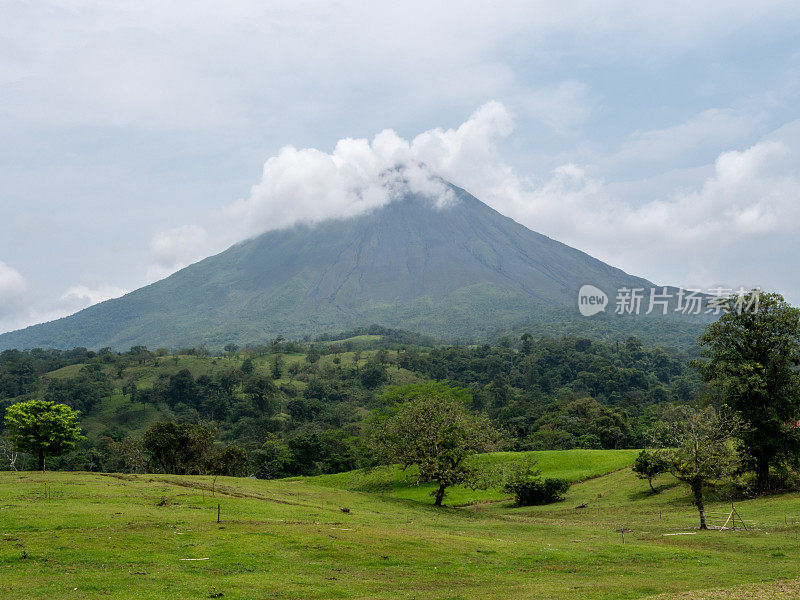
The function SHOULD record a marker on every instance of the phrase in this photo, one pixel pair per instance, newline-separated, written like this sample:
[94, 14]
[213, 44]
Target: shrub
[529, 488]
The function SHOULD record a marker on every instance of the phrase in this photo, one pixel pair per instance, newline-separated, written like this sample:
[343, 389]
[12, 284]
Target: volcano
[458, 272]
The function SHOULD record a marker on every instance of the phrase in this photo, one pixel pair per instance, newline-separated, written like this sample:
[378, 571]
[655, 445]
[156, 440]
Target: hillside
[308, 402]
[463, 271]
[85, 535]
[393, 482]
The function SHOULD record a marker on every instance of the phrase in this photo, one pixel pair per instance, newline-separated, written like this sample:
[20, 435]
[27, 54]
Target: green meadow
[88, 535]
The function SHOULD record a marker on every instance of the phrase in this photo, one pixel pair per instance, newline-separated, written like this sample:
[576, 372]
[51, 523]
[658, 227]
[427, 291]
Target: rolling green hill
[311, 403]
[573, 465]
[461, 272]
[149, 537]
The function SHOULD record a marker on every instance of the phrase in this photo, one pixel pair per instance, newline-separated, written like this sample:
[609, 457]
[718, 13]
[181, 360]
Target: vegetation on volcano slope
[300, 409]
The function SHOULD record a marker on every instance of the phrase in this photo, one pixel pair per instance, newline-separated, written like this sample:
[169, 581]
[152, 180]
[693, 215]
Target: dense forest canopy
[301, 407]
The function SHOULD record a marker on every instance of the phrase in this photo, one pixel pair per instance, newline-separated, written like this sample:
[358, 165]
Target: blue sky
[138, 137]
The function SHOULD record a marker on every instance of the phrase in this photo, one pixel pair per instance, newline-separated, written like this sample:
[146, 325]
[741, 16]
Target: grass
[102, 536]
[574, 465]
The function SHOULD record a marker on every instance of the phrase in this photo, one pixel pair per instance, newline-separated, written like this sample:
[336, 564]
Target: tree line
[278, 412]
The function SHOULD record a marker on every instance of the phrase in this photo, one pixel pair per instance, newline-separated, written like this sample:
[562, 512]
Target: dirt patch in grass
[777, 590]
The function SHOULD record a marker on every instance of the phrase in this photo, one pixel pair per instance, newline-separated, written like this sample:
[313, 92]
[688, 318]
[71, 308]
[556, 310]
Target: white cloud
[12, 291]
[562, 107]
[694, 236]
[86, 296]
[162, 65]
[748, 194]
[16, 311]
[175, 248]
[309, 185]
[684, 144]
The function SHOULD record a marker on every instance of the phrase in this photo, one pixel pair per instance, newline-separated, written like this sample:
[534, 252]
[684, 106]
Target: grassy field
[82, 535]
[574, 465]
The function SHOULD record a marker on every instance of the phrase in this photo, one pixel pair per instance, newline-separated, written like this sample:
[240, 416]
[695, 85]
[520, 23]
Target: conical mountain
[457, 271]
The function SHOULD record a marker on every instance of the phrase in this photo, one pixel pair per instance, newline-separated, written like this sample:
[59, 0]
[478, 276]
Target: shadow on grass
[648, 493]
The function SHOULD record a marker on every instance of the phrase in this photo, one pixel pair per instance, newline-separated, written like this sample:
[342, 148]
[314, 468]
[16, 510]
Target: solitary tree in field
[42, 428]
[754, 355]
[650, 463]
[432, 429]
[701, 446]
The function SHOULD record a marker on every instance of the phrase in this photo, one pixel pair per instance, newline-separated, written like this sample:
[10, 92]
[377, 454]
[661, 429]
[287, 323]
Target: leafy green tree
[82, 392]
[181, 389]
[261, 391]
[179, 449]
[247, 366]
[373, 375]
[526, 340]
[230, 460]
[277, 367]
[129, 454]
[313, 355]
[431, 429]
[382, 356]
[42, 428]
[293, 369]
[649, 464]
[701, 446]
[753, 356]
[140, 354]
[272, 460]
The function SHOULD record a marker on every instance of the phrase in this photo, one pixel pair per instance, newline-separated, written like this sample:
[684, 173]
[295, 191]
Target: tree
[230, 460]
[431, 428]
[313, 355]
[9, 452]
[273, 459]
[261, 391]
[650, 463]
[140, 354]
[43, 428]
[181, 389]
[129, 453]
[526, 340]
[82, 392]
[277, 367]
[701, 446]
[179, 449]
[753, 356]
[373, 375]
[294, 369]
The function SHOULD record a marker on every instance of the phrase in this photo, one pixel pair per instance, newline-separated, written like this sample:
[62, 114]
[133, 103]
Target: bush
[529, 488]
[539, 491]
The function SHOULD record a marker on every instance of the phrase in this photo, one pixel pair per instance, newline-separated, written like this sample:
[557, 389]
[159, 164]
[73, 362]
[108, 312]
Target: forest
[301, 408]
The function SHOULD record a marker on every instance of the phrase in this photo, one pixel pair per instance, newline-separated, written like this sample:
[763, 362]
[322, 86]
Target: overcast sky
[137, 137]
